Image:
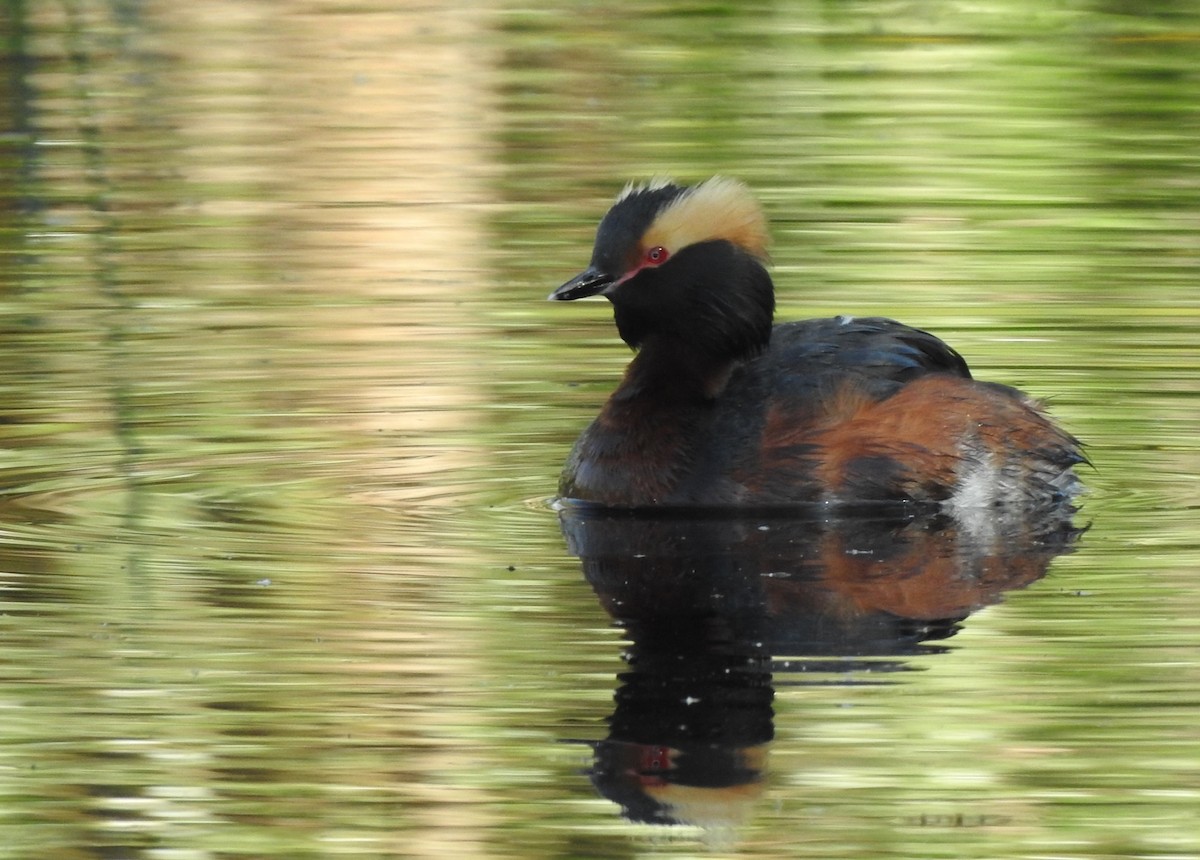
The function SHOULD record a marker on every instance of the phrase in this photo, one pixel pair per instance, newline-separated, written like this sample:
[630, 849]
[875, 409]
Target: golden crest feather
[718, 208]
[652, 184]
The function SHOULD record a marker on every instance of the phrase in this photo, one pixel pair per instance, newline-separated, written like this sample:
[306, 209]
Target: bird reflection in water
[720, 610]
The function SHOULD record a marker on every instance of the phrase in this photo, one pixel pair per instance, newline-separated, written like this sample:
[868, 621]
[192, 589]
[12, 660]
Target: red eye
[657, 255]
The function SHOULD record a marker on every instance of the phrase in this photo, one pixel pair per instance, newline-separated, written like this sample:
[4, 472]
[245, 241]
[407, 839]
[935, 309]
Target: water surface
[283, 409]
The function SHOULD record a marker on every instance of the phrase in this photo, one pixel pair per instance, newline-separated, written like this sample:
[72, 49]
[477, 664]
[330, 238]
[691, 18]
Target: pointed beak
[590, 282]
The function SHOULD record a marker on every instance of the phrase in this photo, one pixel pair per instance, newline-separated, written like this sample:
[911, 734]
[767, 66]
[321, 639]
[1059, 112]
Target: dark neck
[643, 443]
[674, 372]
[708, 310]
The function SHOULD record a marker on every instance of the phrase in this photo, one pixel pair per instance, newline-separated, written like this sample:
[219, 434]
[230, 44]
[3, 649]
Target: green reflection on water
[279, 382]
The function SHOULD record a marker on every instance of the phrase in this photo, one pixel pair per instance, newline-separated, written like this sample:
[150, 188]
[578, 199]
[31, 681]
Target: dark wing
[810, 371]
[870, 347]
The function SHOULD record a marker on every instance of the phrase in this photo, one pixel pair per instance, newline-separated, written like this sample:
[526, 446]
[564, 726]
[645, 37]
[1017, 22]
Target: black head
[683, 263]
[618, 239]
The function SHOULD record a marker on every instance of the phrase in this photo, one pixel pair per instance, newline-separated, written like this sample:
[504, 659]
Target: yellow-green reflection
[279, 387]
